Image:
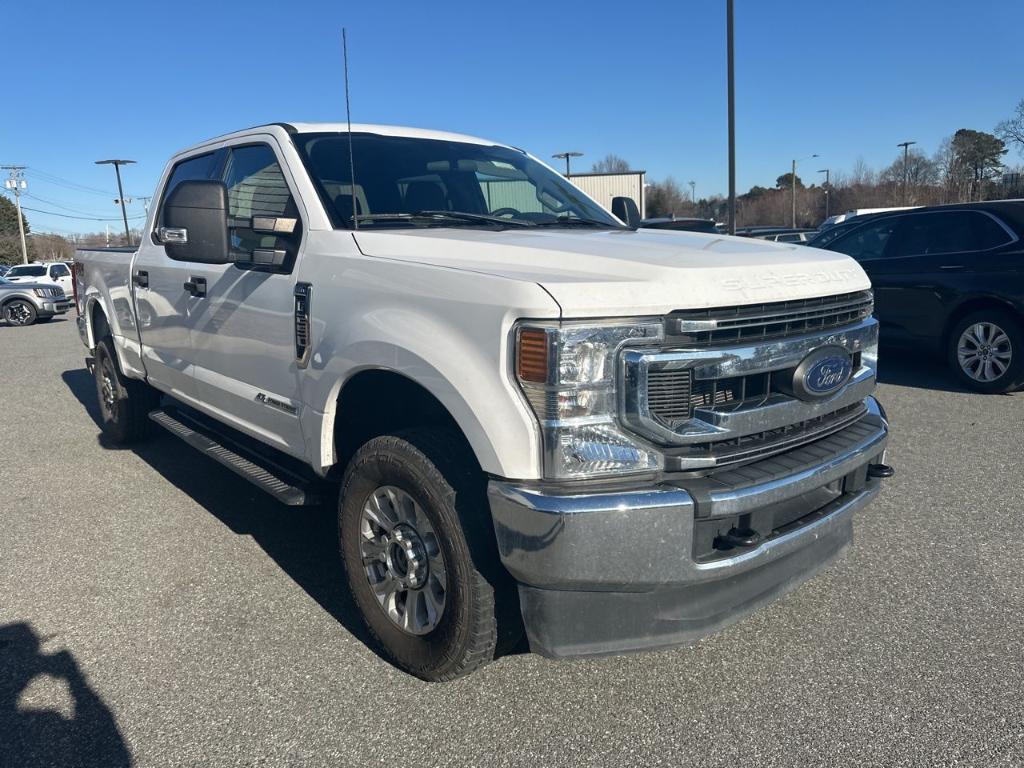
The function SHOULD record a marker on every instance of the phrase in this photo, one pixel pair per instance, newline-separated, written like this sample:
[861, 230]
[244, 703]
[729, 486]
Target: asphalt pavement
[156, 610]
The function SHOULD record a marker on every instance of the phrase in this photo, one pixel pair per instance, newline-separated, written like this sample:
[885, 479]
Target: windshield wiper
[578, 221]
[439, 216]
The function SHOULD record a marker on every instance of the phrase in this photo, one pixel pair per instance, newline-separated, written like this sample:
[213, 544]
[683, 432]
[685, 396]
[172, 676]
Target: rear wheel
[124, 403]
[986, 349]
[414, 527]
[19, 312]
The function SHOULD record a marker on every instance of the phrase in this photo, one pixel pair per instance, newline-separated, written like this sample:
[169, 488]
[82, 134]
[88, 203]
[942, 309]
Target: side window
[499, 193]
[927, 234]
[257, 187]
[59, 270]
[196, 168]
[866, 242]
[988, 233]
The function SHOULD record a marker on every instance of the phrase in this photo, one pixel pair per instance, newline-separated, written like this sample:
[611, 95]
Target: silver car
[27, 303]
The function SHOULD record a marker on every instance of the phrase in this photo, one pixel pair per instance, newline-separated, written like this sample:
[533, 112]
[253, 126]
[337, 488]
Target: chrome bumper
[565, 549]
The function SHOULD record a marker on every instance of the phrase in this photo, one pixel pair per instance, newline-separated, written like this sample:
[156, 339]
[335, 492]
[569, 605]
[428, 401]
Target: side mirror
[196, 223]
[625, 208]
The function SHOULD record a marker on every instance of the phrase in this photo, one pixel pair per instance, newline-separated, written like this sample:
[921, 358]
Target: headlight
[42, 293]
[568, 373]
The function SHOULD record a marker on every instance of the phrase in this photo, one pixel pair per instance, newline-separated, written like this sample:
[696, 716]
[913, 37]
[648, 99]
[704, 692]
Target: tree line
[967, 166]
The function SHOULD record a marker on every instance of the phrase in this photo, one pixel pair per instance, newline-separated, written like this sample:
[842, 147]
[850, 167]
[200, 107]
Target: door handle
[141, 278]
[952, 267]
[196, 286]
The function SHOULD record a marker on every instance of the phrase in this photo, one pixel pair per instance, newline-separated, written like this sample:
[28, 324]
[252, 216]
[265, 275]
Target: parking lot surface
[157, 610]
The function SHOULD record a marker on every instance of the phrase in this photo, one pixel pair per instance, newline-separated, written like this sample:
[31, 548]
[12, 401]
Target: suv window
[59, 270]
[867, 241]
[928, 234]
[256, 187]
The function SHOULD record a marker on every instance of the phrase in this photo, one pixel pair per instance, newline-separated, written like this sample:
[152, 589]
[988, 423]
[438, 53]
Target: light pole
[731, 77]
[120, 192]
[565, 156]
[17, 184]
[826, 171]
[906, 160]
[792, 181]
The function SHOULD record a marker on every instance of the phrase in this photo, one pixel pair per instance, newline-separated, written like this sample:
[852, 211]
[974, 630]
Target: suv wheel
[986, 350]
[414, 528]
[19, 312]
[124, 403]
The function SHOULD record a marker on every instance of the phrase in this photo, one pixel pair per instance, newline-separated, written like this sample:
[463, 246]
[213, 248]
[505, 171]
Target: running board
[283, 485]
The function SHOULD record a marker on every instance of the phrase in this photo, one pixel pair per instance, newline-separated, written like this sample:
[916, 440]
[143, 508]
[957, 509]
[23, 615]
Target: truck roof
[383, 130]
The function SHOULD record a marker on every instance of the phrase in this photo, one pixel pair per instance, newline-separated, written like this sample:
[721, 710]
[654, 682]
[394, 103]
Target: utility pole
[565, 156]
[17, 184]
[732, 116]
[792, 182]
[120, 192]
[145, 203]
[906, 161]
[826, 171]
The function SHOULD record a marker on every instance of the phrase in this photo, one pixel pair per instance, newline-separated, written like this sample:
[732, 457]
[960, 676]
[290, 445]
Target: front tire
[416, 543]
[124, 403]
[986, 350]
[20, 312]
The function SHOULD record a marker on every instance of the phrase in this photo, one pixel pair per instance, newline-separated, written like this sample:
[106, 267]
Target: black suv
[950, 278]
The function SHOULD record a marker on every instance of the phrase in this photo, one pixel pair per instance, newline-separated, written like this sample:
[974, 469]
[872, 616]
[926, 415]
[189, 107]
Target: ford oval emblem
[822, 373]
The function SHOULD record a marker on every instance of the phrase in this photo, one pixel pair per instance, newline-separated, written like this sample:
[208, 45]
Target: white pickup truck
[531, 416]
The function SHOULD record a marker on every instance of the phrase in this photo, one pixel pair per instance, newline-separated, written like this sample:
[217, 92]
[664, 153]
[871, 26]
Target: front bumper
[49, 308]
[616, 571]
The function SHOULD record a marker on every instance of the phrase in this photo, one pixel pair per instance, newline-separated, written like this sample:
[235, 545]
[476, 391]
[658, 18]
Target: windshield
[459, 184]
[29, 271]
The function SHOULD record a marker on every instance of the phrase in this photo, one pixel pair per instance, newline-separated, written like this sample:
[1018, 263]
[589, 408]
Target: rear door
[162, 304]
[243, 330]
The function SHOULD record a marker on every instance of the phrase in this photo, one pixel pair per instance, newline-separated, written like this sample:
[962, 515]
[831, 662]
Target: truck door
[243, 328]
[61, 275]
[162, 304]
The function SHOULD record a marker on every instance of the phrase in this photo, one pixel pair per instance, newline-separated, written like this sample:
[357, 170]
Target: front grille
[761, 444]
[757, 322]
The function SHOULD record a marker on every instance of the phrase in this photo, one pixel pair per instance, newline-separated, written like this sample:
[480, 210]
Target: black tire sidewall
[392, 461]
[1014, 376]
[115, 426]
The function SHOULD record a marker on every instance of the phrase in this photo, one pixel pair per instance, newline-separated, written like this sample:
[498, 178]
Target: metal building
[604, 186]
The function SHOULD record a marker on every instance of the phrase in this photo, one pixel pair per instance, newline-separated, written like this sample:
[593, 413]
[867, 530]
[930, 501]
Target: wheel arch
[975, 304]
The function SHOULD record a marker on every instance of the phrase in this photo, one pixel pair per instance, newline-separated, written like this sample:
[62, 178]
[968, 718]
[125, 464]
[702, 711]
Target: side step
[284, 485]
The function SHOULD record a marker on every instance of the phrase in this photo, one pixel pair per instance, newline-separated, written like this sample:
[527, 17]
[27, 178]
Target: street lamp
[906, 159]
[792, 181]
[565, 156]
[827, 172]
[120, 192]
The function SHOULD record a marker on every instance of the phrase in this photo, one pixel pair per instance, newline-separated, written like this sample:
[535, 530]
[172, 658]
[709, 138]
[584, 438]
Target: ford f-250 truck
[532, 415]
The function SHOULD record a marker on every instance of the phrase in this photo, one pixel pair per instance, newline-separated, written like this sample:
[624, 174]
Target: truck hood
[647, 272]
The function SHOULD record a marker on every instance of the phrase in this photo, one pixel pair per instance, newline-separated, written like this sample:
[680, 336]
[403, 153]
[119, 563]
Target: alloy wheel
[402, 560]
[17, 313]
[984, 352]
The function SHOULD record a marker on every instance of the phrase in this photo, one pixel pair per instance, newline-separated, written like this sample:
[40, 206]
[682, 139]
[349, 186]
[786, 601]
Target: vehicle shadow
[905, 367]
[301, 540]
[44, 737]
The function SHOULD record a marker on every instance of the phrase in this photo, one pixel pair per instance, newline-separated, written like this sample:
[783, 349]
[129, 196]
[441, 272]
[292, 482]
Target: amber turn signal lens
[532, 355]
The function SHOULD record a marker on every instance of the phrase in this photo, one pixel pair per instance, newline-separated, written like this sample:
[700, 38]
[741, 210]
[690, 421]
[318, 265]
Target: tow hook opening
[880, 471]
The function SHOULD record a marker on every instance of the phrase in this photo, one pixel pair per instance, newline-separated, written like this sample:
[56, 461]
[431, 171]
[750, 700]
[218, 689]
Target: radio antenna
[348, 116]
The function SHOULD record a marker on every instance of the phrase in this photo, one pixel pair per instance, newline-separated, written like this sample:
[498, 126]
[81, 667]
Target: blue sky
[646, 81]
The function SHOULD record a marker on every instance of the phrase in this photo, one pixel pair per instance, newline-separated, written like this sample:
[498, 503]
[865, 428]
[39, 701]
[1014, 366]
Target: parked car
[28, 303]
[834, 232]
[841, 218]
[950, 279]
[620, 438]
[681, 224]
[55, 272]
[790, 236]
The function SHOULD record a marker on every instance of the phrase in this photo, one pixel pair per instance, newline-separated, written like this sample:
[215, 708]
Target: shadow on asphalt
[301, 540]
[44, 737]
[905, 367]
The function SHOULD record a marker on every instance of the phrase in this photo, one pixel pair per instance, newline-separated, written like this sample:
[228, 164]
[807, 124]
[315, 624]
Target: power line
[81, 218]
[61, 206]
[59, 181]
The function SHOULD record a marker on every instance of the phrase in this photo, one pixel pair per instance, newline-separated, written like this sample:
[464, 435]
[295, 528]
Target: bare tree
[611, 164]
[1011, 130]
[666, 198]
